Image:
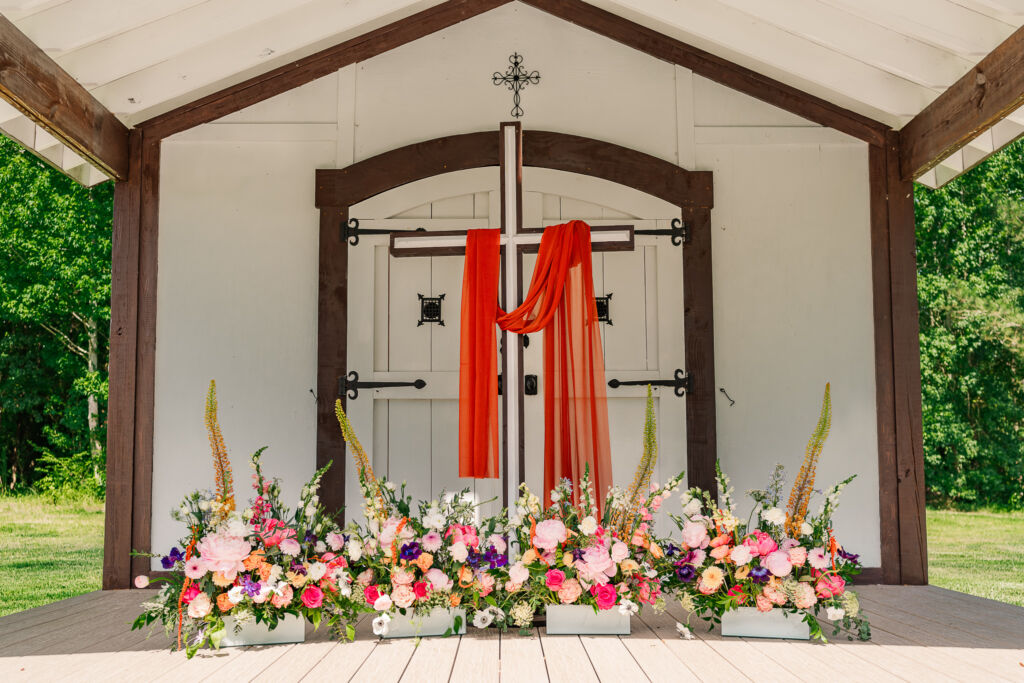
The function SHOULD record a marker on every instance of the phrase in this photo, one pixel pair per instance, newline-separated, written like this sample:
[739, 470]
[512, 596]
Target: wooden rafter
[972, 105]
[48, 95]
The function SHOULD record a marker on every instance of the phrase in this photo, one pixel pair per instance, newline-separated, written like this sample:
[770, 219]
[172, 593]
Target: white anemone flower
[684, 631]
[483, 618]
[628, 607]
[380, 625]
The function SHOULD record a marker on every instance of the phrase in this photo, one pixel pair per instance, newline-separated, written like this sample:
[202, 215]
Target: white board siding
[237, 295]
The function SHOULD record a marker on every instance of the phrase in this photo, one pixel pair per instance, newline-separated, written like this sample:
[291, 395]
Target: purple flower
[251, 588]
[671, 549]
[410, 551]
[849, 557]
[172, 558]
[759, 574]
[577, 554]
[298, 568]
[495, 559]
[686, 572]
[311, 538]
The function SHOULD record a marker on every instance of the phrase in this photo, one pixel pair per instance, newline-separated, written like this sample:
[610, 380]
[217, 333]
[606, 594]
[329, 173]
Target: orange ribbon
[394, 543]
[832, 547]
[533, 536]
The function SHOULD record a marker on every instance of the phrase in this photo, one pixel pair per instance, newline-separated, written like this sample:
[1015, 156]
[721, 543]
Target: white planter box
[290, 629]
[436, 623]
[748, 622]
[582, 620]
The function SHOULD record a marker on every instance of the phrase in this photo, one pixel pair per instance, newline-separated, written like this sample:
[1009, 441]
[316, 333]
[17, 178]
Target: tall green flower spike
[800, 496]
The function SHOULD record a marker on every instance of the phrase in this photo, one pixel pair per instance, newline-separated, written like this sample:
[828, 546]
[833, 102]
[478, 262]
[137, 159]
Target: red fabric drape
[560, 301]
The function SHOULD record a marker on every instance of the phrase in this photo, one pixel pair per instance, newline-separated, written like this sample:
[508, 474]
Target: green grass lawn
[48, 551]
[981, 553]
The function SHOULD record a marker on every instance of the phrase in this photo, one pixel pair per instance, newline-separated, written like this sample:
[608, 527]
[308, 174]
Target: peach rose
[283, 598]
[200, 606]
[763, 603]
[224, 603]
[425, 561]
[403, 596]
[570, 591]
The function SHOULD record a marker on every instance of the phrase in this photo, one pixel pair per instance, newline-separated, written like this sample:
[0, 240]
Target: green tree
[970, 250]
[54, 314]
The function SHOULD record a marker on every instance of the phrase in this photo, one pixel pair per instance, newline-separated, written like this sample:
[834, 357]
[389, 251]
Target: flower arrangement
[255, 565]
[789, 560]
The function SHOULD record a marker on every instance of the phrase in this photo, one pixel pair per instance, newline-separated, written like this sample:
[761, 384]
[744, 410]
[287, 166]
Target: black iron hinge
[351, 385]
[680, 232]
[681, 383]
[351, 231]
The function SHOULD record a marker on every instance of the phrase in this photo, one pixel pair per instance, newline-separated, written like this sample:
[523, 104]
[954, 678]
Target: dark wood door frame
[692, 191]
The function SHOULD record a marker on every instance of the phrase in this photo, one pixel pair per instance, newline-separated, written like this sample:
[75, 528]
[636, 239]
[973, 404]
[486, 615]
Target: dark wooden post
[332, 352]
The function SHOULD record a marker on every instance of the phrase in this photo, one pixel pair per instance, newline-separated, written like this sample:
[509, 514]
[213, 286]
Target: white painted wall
[238, 246]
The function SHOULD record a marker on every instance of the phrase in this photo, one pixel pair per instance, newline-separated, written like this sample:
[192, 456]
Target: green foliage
[970, 250]
[54, 289]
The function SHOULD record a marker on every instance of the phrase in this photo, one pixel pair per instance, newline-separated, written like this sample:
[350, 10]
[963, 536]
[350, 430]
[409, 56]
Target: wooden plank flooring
[920, 633]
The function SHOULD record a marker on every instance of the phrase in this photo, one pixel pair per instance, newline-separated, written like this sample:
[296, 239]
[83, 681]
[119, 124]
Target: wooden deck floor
[920, 633]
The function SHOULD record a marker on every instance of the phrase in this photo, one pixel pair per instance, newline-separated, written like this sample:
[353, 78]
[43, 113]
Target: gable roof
[884, 60]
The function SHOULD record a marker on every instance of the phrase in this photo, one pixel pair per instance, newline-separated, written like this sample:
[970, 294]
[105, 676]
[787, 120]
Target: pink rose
[776, 595]
[763, 603]
[550, 533]
[830, 586]
[312, 597]
[569, 592]
[798, 556]
[778, 563]
[190, 593]
[497, 542]
[512, 587]
[141, 581]
[620, 551]
[283, 597]
[371, 593]
[463, 533]
[518, 573]
[486, 583]
[224, 553]
[365, 577]
[403, 596]
[695, 535]
[604, 595]
[420, 588]
[554, 579]
[431, 541]
[765, 543]
[401, 577]
[200, 606]
[439, 580]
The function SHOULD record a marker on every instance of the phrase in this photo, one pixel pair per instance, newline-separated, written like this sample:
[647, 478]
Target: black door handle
[682, 383]
[529, 385]
[351, 385]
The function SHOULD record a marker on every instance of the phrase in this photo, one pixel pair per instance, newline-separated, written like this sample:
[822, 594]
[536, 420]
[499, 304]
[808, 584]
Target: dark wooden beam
[699, 342]
[888, 504]
[315, 66]
[48, 95]
[975, 103]
[906, 371]
[714, 68]
[124, 282]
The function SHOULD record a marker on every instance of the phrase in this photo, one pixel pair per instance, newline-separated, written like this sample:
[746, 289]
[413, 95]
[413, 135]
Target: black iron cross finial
[516, 78]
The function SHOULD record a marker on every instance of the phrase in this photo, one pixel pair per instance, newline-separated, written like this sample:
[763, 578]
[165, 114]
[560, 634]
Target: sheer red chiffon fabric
[560, 301]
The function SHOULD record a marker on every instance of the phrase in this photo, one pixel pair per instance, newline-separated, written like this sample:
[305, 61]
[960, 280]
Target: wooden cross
[515, 241]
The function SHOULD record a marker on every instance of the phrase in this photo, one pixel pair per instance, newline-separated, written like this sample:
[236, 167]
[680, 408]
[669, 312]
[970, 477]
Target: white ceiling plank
[15, 10]
[929, 179]
[719, 28]
[941, 23]
[157, 41]
[232, 58]
[1005, 132]
[22, 129]
[863, 40]
[8, 112]
[1010, 11]
[71, 159]
[78, 23]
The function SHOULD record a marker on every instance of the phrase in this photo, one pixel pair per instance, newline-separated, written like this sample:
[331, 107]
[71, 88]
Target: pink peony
[695, 535]
[817, 558]
[486, 583]
[569, 592]
[431, 541]
[224, 553]
[830, 586]
[599, 561]
[518, 573]
[200, 606]
[550, 533]
[803, 596]
[439, 580]
[141, 581]
[763, 603]
[604, 595]
[778, 563]
[312, 597]
[282, 598]
[798, 556]
[766, 545]
[190, 593]
[194, 568]
[463, 533]
[290, 546]
[497, 542]
[554, 579]
[620, 551]
[403, 596]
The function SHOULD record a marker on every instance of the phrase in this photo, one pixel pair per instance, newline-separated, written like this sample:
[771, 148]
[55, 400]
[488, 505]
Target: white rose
[316, 571]
[774, 516]
[459, 552]
[235, 595]
[588, 525]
